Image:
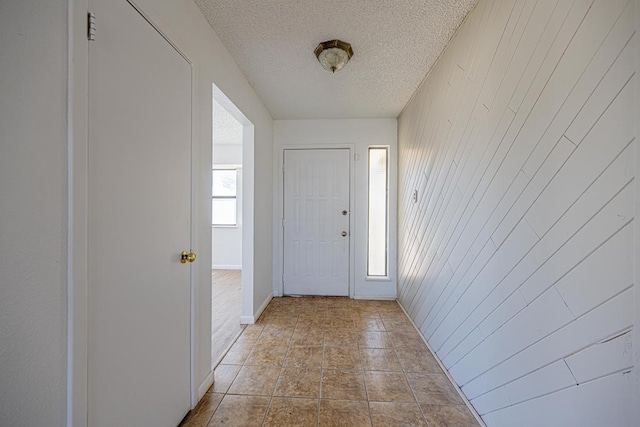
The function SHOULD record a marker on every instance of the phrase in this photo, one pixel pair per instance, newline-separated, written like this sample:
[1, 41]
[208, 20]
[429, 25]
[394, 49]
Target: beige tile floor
[319, 361]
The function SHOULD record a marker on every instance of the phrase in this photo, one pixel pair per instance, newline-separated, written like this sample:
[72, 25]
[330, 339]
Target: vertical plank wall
[516, 259]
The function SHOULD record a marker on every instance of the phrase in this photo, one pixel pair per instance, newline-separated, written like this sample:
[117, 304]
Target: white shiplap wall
[516, 260]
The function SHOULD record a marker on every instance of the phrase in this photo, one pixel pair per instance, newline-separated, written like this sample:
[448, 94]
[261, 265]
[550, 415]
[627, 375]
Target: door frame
[279, 255]
[77, 110]
[636, 250]
[248, 173]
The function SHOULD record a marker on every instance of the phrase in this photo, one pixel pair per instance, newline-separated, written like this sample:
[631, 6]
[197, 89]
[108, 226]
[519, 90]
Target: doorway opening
[231, 223]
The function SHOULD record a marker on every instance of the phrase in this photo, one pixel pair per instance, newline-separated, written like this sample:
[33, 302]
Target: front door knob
[344, 234]
[187, 257]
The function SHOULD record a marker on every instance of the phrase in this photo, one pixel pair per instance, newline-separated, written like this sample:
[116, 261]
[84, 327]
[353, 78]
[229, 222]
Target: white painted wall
[227, 241]
[227, 154]
[33, 174]
[359, 133]
[516, 263]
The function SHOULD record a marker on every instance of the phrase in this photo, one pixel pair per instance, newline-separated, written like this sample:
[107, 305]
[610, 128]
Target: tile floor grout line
[264, 418]
[404, 371]
[366, 391]
[321, 369]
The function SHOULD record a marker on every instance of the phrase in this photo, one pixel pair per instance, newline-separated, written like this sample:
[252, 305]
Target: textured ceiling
[395, 43]
[226, 128]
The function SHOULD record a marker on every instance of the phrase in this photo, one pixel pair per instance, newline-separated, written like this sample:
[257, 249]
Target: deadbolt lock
[187, 257]
[344, 212]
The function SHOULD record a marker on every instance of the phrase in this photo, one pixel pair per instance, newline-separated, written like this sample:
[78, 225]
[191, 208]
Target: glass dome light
[333, 54]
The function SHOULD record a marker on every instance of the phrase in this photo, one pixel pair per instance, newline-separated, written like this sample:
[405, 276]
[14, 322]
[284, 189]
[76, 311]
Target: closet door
[139, 222]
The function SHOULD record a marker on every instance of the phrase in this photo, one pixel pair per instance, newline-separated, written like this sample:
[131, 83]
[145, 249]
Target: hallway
[330, 361]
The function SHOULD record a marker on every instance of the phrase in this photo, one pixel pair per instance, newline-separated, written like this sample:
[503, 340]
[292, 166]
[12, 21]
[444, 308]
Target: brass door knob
[187, 257]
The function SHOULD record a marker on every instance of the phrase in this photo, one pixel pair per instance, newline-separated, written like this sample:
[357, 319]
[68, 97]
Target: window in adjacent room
[223, 205]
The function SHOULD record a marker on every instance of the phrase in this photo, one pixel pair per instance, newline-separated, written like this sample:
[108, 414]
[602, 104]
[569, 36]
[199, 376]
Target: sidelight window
[377, 236]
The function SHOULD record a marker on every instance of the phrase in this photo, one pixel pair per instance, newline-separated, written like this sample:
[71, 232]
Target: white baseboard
[205, 385]
[224, 353]
[263, 306]
[377, 298]
[446, 372]
[364, 297]
[226, 267]
[250, 320]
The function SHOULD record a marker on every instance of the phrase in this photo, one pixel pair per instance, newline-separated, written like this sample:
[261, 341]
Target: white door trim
[77, 204]
[636, 254]
[278, 288]
[77, 179]
[247, 313]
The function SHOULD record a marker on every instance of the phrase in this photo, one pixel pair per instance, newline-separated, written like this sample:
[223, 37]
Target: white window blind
[223, 203]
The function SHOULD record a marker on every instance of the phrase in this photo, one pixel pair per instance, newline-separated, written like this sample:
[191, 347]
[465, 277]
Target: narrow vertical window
[223, 204]
[378, 207]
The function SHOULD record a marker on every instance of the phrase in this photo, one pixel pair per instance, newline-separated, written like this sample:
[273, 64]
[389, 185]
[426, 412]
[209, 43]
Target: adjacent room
[226, 227]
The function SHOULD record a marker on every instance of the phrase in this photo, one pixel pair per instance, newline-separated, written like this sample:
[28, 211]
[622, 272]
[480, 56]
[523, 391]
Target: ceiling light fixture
[333, 54]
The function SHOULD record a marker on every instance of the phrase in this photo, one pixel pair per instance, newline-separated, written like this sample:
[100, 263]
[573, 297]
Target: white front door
[138, 223]
[316, 222]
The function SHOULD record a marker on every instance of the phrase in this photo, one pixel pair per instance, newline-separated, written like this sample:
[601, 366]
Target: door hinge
[91, 26]
[282, 222]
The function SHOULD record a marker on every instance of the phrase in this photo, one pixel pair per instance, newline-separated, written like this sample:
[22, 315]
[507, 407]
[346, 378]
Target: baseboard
[205, 385]
[263, 306]
[226, 350]
[446, 372]
[226, 267]
[249, 320]
[376, 298]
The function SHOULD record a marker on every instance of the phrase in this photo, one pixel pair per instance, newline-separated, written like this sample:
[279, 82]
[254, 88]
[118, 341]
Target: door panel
[139, 222]
[316, 192]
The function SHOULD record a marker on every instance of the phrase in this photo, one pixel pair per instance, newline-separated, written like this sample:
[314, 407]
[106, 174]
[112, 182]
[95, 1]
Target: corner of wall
[446, 372]
[249, 320]
[205, 385]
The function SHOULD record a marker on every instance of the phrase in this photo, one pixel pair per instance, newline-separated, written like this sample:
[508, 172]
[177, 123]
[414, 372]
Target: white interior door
[316, 222]
[138, 224]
